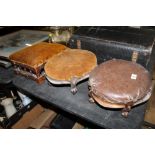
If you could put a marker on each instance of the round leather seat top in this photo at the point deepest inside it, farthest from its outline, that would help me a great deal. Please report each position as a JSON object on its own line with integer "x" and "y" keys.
{"x": 120, "y": 81}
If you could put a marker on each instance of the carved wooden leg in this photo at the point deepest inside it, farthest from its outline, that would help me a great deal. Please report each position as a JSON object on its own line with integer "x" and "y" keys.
{"x": 126, "y": 110}
{"x": 73, "y": 85}
{"x": 91, "y": 100}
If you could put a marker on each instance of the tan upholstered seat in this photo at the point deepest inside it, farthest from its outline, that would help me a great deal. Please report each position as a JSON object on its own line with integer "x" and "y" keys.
{"x": 72, "y": 65}
{"x": 30, "y": 61}
{"x": 38, "y": 54}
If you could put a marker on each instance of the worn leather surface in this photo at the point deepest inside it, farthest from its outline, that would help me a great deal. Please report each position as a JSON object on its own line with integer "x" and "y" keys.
{"x": 124, "y": 35}
{"x": 70, "y": 63}
{"x": 38, "y": 54}
{"x": 119, "y": 43}
{"x": 120, "y": 81}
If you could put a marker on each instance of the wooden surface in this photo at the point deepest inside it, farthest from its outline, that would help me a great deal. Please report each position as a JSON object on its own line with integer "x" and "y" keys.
{"x": 150, "y": 110}
{"x": 48, "y": 122}
{"x": 43, "y": 118}
{"x": 28, "y": 117}
{"x": 78, "y": 126}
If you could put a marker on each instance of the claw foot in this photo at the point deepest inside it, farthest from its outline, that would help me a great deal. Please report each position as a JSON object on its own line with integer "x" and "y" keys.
{"x": 91, "y": 100}
{"x": 126, "y": 110}
{"x": 73, "y": 85}
{"x": 74, "y": 90}
{"x": 125, "y": 114}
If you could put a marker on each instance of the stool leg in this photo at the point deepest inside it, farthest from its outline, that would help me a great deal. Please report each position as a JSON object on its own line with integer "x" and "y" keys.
{"x": 126, "y": 110}
{"x": 91, "y": 100}
{"x": 73, "y": 85}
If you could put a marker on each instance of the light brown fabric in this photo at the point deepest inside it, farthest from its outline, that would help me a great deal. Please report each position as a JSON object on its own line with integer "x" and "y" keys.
{"x": 70, "y": 63}
{"x": 113, "y": 81}
{"x": 37, "y": 54}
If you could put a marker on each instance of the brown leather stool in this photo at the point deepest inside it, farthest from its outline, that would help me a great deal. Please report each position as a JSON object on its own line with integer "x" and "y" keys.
{"x": 120, "y": 84}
